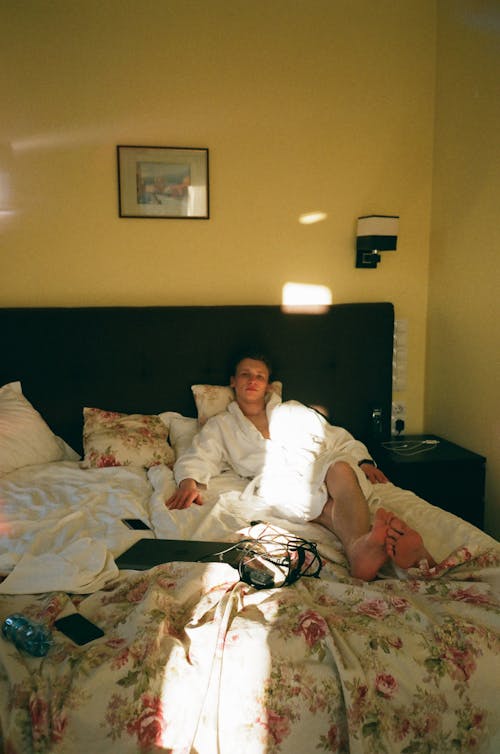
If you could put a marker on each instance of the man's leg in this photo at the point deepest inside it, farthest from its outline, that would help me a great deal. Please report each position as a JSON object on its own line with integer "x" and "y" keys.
{"x": 346, "y": 514}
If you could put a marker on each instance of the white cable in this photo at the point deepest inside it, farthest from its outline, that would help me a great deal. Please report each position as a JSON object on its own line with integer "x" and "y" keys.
{"x": 410, "y": 447}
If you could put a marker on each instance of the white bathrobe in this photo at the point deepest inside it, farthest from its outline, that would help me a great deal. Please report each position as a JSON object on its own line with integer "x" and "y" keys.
{"x": 289, "y": 469}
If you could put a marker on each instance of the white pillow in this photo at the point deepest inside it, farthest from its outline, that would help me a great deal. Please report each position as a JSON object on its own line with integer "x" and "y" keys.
{"x": 25, "y": 438}
{"x": 213, "y": 399}
{"x": 181, "y": 430}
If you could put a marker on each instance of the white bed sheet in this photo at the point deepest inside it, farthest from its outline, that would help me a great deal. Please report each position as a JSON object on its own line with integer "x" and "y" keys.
{"x": 60, "y": 525}
{"x": 61, "y": 528}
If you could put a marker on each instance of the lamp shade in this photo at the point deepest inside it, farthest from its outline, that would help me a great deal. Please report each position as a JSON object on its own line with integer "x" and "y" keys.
{"x": 377, "y": 233}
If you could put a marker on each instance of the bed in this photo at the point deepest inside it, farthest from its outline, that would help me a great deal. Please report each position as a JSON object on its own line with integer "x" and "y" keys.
{"x": 193, "y": 659}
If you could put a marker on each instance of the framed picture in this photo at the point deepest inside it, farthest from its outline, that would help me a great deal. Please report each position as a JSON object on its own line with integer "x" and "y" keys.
{"x": 166, "y": 182}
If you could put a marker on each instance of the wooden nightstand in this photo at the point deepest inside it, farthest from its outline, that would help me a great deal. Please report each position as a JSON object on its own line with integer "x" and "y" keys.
{"x": 444, "y": 474}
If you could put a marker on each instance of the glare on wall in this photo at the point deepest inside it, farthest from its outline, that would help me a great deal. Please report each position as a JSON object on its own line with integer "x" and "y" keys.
{"x": 305, "y": 298}
{"x": 6, "y": 210}
{"x": 310, "y": 218}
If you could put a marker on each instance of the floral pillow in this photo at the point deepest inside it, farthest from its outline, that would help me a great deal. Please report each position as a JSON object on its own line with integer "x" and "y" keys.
{"x": 213, "y": 399}
{"x": 25, "y": 438}
{"x": 113, "y": 439}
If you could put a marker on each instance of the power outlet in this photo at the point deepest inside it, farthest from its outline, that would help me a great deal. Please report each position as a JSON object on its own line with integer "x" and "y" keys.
{"x": 398, "y": 413}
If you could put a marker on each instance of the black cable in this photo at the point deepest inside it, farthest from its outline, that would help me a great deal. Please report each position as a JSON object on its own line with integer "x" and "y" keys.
{"x": 291, "y": 557}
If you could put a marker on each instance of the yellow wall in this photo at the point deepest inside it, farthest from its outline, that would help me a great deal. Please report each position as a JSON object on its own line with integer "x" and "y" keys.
{"x": 463, "y": 366}
{"x": 304, "y": 105}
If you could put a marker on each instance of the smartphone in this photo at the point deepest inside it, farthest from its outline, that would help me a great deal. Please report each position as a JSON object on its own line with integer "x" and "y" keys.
{"x": 135, "y": 523}
{"x": 78, "y": 629}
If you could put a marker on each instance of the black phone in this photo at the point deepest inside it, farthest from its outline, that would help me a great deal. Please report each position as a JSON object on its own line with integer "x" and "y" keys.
{"x": 78, "y": 629}
{"x": 135, "y": 523}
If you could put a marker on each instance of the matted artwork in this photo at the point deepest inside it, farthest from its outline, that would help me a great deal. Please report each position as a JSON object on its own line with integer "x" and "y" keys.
{"x": 164, "y": 182}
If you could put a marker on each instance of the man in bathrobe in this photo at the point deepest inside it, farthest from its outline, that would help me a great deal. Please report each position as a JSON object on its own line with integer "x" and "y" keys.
{"x": 305, "y": 468}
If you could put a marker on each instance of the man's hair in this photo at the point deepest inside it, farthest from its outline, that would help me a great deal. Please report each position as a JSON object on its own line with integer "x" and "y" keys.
{"x": 250, "y": 353}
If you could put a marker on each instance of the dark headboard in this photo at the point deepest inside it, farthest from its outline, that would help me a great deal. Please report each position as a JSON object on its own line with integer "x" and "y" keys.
{"x": 144, "y": 359}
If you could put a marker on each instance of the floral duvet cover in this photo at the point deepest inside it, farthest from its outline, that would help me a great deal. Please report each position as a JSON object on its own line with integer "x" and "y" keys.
{"x": 194, "y": 660}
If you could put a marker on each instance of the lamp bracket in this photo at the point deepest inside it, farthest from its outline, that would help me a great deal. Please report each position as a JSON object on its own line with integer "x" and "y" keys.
{"x": 367, "y": 259}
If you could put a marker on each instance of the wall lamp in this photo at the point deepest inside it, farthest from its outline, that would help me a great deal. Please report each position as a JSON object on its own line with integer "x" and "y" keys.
{"x": 375, "y": 233}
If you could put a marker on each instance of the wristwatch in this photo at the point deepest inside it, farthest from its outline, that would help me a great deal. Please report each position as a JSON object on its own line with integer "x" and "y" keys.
{"x": 367, "y": 460}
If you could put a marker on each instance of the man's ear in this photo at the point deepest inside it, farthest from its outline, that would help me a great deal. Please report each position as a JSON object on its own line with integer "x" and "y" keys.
{"x": 231, "y": 382}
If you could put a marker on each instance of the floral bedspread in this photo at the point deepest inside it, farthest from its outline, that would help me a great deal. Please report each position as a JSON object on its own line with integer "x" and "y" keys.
{"x": 194, "y": 661}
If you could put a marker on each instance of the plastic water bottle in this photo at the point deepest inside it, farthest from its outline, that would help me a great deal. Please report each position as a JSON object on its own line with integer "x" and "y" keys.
{"x": 25, "y": 634}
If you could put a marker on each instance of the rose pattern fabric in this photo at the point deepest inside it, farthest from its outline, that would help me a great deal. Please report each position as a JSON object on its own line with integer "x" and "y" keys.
{"x": 115, "y": 439}
{"x": 326, "y": 665}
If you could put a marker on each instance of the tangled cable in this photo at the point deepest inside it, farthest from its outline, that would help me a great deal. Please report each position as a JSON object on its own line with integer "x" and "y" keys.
{"x": 274, "y": 560}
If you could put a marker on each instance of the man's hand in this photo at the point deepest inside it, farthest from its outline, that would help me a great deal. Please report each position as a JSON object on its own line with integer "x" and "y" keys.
{"x": 374, "y": 475}
{"x": 185, "y": 495}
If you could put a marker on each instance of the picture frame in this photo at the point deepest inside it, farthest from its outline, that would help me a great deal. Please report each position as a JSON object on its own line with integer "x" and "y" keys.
{"x": 163, "y": 182}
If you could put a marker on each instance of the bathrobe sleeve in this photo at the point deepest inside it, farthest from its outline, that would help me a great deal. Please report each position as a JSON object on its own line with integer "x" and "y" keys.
{"x": 205, "y": 458}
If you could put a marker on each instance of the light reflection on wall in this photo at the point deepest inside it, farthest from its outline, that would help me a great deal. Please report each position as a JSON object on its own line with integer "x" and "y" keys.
{"x": 309, "y": 218}
{"x": 305, "y": 298}
{"x": 6, "y": 206}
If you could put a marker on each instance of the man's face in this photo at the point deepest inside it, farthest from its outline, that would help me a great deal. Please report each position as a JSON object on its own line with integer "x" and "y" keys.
{"x": 251, "y": 381}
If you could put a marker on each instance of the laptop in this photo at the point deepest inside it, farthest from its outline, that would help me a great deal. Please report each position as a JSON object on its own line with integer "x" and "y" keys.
{"x": 147, "y": 553}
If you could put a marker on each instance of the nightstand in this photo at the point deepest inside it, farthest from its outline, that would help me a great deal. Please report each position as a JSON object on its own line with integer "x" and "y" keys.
{"x": 444, "y": 474}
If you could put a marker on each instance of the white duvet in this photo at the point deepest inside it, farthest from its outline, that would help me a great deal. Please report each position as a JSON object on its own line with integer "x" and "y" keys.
{"x": 61, "y": 528}
{"x": 60, "y": 525}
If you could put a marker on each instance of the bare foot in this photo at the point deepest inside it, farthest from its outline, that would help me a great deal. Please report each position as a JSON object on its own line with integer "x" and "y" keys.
{"x": 368, "y": 553}
{"x": 405, "y": 545}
